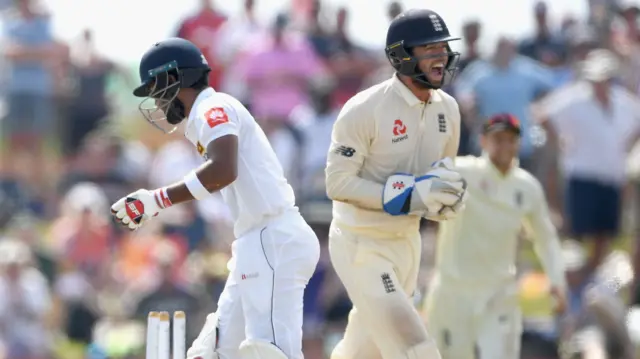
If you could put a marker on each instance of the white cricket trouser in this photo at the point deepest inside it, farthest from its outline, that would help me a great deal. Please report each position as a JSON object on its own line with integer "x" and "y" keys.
{"x": 380, "y": 275}
{"x": 474, "y": 323}
{"x": 262, "y": 299}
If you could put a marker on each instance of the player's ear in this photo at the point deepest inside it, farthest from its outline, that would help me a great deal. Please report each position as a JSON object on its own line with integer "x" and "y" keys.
{"x": 483, "y": 140}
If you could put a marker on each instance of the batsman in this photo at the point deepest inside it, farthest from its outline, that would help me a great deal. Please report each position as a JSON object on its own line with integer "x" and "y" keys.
{"x": 387, "y": 168}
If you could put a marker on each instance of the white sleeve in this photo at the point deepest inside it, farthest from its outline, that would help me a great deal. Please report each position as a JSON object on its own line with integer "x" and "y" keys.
{"x": 350, "y": 141}
{"x": 557, "y": 105}
{"x": 545, "y": 238}
{"x": 217, "y": 121}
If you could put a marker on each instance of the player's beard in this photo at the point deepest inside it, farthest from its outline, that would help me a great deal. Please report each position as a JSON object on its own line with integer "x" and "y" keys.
{"x": 421, "y": 82}
{"x": 175, "y": 112}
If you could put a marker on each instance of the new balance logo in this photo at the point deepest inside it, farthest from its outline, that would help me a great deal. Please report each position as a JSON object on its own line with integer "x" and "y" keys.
{"x": 387, "y": 283}
{"x": 345, "y": 151}
{"x": 442, "y": 123}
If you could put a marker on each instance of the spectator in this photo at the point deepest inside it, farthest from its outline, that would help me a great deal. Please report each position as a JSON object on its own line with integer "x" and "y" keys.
{"x": 383, "y": 71}
{"x": 202, "y": 29}
{"x": 626, "y": 42}
{"x": 349, "y": 63}
{"x": 545, "y": 45}
{"x": 393, "y": 10}
{"x": 24, "y": 302}
{"x": 25, "y": 229}
{"x": 508, "y": 84}
{"x": 318, "y": 35}
{"x": 233, "y": 37}
{"x": 77, "y": 308}
{"x": 89, "y": 106}
{"x": 471, "y": 32}
{"x": 597, "y": 122}
{"x": 601, "y": 16}
{"x": 315, "y": 123}
{"x": 170, "y": 294}
{"x": 31, "y": 53}
{"x": 278, "y": 71}
{"x": 171, "y": 163}
{"x": 208, "y": 267}
{"x": 98, "y": 163}
{"x": 82, "y": 234}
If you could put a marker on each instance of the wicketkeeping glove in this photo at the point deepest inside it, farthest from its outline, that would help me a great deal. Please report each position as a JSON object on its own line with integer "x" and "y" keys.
{"x": 137, "y": 207}
{"x": 444, "y": 169}
{"x": 427, "y": 196}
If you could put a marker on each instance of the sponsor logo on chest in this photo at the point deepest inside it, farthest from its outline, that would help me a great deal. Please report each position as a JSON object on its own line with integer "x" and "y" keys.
{"x": 399, "y": 131}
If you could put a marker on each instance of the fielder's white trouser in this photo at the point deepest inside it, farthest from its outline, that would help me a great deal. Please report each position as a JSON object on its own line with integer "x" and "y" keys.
{"x": 471, "y": 322}
{"x": 380, "y": 274}
{"x": 262, "y": 299}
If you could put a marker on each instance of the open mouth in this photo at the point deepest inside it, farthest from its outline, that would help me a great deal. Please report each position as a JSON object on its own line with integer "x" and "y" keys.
{"x": 437, "y": 71}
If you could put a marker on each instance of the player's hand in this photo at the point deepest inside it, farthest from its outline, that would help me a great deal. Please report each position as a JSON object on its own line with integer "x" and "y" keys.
{"x": 137, "y": 207}
{"x": 560, "y": 300}
{"x": 447, "y": 189}
{"x": 441, "y": 193}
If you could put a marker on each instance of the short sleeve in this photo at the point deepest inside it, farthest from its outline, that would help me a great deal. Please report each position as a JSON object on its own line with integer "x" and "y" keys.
{"x": 216, "y": 121}
{"x": 557, "y": 106}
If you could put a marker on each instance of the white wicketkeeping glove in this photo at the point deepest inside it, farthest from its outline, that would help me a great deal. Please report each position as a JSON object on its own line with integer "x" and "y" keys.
{"x": 137, "y": 207}
{"x": 451, "y": 183}
{"x": 426, "y": 195}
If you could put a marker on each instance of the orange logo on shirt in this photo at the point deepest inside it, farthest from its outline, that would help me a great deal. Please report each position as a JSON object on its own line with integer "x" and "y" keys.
{"x": 399, "y": 128}
{"x": 216, "y": 116}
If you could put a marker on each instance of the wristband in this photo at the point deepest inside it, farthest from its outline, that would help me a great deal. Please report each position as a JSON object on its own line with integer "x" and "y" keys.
{"x": 162, "y": 198}
{"x": 197, "y": 189}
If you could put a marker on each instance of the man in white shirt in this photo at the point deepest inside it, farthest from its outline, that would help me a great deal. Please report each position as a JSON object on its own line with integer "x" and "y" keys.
{"x": 275, "y": 252}
{"x": 472, "y": 307}
{"x": 381, "y": 179}
{"x": 596, "y": 123}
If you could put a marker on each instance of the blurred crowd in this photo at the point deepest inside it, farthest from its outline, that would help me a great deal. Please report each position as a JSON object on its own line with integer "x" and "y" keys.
{"x": 70, "y": 280}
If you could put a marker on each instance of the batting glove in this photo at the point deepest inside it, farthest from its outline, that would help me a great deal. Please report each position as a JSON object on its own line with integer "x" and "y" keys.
{"x": 204, "y": 347}
{"x": 137, "y": 207}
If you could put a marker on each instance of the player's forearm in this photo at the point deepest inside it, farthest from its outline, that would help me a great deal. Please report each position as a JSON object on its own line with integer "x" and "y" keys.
{"x": 548, "y": 249}
{"x": 213, "y": 176}
{"x": 355, "y": 190}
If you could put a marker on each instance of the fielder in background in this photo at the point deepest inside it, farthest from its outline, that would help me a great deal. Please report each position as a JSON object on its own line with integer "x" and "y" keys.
{"x": 472, "y": 307}
{"x": 380, "y": 177}
{"x": 260, "y": 310}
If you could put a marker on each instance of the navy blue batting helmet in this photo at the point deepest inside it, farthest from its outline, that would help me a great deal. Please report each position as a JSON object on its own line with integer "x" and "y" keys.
{"x": 419, "y": 27}
{"x": 167, "y": 67}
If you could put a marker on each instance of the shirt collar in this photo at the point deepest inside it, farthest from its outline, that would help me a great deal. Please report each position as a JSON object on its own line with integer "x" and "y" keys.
{"x": 201, "y": 97}
{"x": 411, "y": 99}
{"x": 492, "y": 168}
{"x": 204, "y": 94}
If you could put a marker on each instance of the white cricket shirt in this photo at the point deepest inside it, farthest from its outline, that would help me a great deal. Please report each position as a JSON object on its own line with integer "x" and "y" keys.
{"x": 381, "y": 131}
{"x": 595, "y": 141}
{"x": 260, "y": 190}
{"x": 478, "y": 248}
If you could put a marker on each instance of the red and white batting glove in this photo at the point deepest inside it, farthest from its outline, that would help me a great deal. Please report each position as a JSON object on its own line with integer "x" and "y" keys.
{"x": 139, "y": 206}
